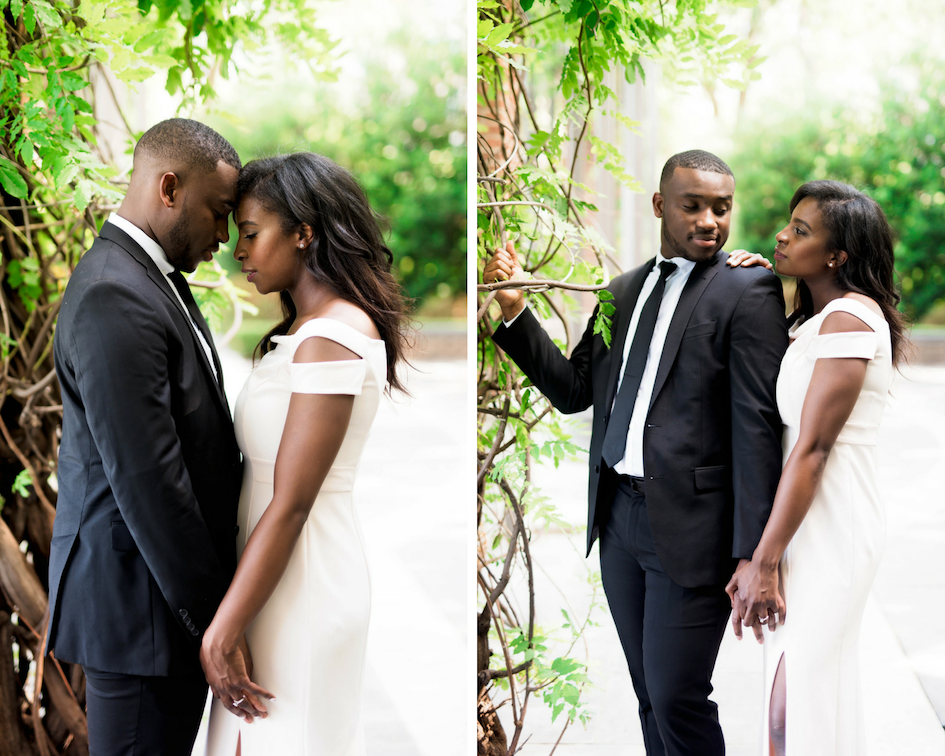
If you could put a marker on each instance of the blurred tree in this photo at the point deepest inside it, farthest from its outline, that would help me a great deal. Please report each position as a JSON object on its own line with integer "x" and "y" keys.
{"x": 403, "y": 136}
{"x": 896, "y": 154}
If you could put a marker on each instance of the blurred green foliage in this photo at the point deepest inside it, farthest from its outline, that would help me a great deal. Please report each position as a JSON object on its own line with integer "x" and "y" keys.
{"x": 403, "y": 136}
{"x": 896, "y": 155}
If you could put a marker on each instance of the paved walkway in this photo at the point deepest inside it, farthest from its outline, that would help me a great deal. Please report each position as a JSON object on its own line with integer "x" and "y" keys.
{"x": 416, "y": 534}
{"x": 903, "y": 644}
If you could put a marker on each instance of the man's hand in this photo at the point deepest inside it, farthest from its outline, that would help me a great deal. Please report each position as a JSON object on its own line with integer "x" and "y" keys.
{"x": 504, "y": 266}
{"x": 227, "y": 672}
{"x": 756, "y": 598}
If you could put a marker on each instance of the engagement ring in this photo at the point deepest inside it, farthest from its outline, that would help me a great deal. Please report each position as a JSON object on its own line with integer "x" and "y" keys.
{"x": 237, "y": 703}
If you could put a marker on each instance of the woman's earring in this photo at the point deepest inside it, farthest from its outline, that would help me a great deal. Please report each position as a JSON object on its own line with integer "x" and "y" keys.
{"x": 830, "y": 264}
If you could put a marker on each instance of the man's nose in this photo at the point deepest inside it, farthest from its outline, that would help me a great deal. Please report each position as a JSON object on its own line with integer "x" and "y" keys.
{"x": 707, "y": 219}
{"x": 223, "y": 231}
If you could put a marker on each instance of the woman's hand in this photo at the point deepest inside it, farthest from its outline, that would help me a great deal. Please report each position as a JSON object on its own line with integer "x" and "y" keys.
{"x": 746, "y": 259}
{"x": 227, "y": 668}
{"x": 755, "y": 593}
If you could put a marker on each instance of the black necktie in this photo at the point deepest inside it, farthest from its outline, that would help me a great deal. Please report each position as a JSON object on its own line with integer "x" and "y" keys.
{"x": 183, "y": 288}
{"x": 615, "y": 439}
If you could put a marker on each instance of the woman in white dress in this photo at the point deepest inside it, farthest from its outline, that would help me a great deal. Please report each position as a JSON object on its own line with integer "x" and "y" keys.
{"x": 300, "y": 598}
{"x": 822, "y": 543}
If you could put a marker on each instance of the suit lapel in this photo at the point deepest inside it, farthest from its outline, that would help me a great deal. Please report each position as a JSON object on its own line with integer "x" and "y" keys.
{"x": 620, "y": 326}
{"x": 114, "y": 234}
{"x": 691, "y": 293}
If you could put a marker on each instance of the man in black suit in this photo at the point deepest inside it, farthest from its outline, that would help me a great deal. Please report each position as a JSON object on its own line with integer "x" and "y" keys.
{"x": 143, "y": 545}
{"x": 686, "y": 440}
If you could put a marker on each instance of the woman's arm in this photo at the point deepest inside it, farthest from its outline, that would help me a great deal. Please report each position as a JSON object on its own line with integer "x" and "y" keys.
{"x": 314, "y": 430}
{"x": 831, "y": 395}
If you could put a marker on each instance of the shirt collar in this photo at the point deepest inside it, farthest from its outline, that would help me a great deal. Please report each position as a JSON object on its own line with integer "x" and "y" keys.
{"x": 683, "y": 265}
{"x": 151, "y": 247}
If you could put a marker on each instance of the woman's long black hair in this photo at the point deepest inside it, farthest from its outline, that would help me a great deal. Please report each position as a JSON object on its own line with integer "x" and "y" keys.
{"x": 857, "y": 225}
{"x": 347, "y": 252}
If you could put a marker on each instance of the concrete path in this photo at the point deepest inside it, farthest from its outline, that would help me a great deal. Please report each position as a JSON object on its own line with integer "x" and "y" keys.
{"x": 903, "y": 642}
{"x": 416, "y": 527}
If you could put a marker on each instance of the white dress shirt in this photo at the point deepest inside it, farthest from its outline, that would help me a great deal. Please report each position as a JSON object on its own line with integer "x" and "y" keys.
{"x": 632, "y": 462}
{"x": 156, "y": 253}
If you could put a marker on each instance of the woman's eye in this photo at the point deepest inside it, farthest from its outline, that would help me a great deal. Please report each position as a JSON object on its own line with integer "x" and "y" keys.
{"x": 250, "y": 236}
{"x": 799, "y": 231}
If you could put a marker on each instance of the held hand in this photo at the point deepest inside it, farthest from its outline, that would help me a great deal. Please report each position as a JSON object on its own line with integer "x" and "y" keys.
{"x": 756, "y": 598}
{"x": 746, "y": 259}
{"x": 227, "y": 671}
{"x": 738, "y": 606}
{"x": 504, "y": 266}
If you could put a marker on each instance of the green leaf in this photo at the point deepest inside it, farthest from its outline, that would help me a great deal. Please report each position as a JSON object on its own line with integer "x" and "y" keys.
{"x": 498, "y": 34}
{"x": 29, "y": 18}
{"x": 11, "y": 180}
{"x": 13, "y": 273}
{"x": 72, "y": 82}
{"x": 82, "y": 195}
{"x": 46, "y": 14}
{"x": 21, "y": 482}
{"x": 563, "y": 665}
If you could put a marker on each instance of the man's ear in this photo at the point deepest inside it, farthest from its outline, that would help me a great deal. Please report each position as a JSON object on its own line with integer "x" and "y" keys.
{"x": 657, "y": 204}
{"x": 170, "y": 187}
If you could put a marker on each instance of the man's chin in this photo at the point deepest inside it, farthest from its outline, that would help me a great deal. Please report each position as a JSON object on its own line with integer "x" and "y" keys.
{"x": 700, "y": 254}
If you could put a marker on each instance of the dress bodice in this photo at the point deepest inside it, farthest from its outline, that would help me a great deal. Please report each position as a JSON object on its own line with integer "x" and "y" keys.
{"x": 808, "y": 345}
{"x": 263, "y": 404}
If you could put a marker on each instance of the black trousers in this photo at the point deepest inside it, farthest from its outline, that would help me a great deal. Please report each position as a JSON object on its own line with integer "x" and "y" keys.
{"x": 143, "y": 716}
{"x": 670, "y": 635}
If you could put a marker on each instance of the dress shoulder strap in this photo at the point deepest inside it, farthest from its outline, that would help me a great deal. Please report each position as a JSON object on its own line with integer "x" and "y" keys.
{"x": 335, "y": 330}
{"x": 856, "y": 308}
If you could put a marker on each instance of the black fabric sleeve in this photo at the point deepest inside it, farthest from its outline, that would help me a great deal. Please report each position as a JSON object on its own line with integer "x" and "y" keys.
{"x": 565, "y": 381}
{"x": 758, "y": 342}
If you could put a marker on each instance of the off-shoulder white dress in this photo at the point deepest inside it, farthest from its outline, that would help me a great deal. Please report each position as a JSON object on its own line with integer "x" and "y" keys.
{"x": 829, "y": 565}
{"x": 308, "y": 641}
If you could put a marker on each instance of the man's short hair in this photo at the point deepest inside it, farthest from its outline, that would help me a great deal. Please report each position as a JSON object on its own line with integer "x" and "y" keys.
{"x": 697, "y": 160}
{"x": 183, "y": 142}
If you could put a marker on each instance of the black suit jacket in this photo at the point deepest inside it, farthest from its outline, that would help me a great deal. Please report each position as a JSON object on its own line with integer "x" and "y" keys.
{"x": 712, "y": 441}
{"x": 143, "y": 544}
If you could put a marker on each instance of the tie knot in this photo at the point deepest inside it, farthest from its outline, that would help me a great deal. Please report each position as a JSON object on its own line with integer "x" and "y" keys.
{"x": 666, "y": 269}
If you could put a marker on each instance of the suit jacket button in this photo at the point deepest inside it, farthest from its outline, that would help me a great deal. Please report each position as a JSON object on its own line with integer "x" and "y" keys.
{"x": 194, "y": 631}
{"x": 597, "y": 468}
{"x": 183, "y": 612}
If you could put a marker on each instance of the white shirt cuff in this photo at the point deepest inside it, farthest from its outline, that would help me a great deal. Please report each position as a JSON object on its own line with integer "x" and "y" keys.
{"x": 508, "y": 323}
